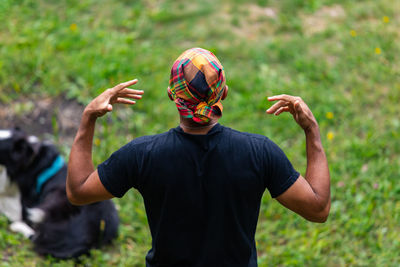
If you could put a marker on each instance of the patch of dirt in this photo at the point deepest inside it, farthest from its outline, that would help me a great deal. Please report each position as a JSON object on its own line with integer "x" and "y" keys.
{"x": 254, "y": 22}
{"x": 55, "y": 117}
{"x": 321, "y": 19}
{"x": 257, "y": 12}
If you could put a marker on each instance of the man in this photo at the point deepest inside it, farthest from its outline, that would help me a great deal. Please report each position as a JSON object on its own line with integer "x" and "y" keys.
{"x": 201, "y": 182}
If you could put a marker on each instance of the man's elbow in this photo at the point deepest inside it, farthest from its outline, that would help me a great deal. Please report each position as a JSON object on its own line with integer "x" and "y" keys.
{"x": 319, "y": 218}
{"x": 73, "y": 198}
{"x": 321, "y": 215}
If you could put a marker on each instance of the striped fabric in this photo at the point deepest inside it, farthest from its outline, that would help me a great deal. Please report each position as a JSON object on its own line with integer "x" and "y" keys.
{"x": 196, "y": 85}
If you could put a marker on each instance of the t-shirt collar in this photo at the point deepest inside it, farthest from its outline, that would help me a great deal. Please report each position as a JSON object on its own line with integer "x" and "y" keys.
{"x": 215, "y": 129}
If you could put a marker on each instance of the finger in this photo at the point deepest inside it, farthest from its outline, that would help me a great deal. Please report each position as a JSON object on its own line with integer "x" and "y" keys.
{"x": 131, "y": 91}
{"x": 134, "y": 96}
{"x": 284, "y": 97}
{"x": 121, "y": 86}
{"x": 121, "y": 100}
{"x": 282, "y": 109}
{"x": 297, "y": 106}
{"x": 276, "y": 106}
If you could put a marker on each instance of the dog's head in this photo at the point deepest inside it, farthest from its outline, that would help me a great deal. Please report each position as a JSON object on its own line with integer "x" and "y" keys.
{"x": 16, "y": 148}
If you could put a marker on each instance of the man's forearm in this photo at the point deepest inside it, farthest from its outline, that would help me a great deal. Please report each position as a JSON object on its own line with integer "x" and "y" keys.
{"x": 83, "y": 183}
{"x": 80, "y": 164}
{"x": 317, "y": 173}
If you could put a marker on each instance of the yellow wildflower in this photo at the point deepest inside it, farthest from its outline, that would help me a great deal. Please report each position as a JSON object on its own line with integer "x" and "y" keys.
{"x": 353, "y": 33}
{"x": 385, "y": 19}
{"x": 73, "y": 27}
{"x": 330, "y": 136}
{"x": 378, "y": 51}
{"x": 97, "y": 142}
{"x": 102, "y": 225}
{"x": 329, "y": 115}
{"x": 17, "y": 88}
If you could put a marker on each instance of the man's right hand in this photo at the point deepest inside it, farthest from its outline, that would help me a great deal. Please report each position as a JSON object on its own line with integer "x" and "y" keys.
{"x": 83, "y": 182}
{"x": 296, "y": 106}
{"x": 119, "y": 94}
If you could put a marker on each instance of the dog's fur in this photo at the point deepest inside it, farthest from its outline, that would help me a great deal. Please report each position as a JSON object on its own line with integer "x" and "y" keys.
{"x": 55, "y": 226}
{"x": 10, "y": 204}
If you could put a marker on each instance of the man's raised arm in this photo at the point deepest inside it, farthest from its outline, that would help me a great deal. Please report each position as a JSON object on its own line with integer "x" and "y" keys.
{"x": 83, "y": 182}
{"x": 309, "y": 196}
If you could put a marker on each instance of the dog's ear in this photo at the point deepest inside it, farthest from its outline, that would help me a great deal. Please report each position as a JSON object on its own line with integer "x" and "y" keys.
{"x": 17, "y": 131}
{"x": 21, "y": 150}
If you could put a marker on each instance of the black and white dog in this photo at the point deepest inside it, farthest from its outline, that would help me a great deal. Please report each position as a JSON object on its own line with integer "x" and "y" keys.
{"x": 35, "y": 201}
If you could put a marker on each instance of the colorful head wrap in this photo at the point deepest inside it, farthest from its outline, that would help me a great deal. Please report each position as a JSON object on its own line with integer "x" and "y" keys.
{"x": 197, "y": 84}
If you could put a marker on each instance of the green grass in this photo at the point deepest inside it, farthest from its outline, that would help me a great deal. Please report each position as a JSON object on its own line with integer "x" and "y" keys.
{"x": 323, "y": 50}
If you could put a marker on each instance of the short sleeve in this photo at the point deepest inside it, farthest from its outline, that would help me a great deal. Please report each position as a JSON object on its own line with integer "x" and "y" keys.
{"x": 120, "y": 172}
{"x": 279, "y": 172}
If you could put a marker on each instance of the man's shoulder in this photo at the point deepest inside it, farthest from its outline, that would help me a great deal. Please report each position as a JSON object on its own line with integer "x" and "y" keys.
{"x": 164, "y": 139}
{"x": 236, "y": 134}
{"x": 149, "y": 140}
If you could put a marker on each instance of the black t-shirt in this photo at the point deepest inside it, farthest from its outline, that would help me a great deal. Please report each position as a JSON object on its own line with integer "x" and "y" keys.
{"x": 202, "y": 193}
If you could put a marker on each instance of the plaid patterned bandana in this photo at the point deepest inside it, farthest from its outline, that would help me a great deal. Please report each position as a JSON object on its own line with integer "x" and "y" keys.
{"x": 196, "y": 85}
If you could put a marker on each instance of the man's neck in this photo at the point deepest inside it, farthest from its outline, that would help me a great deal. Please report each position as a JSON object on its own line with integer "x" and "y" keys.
{"x": 190, "y": 127}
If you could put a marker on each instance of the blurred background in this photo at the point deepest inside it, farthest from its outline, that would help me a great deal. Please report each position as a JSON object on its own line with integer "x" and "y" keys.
{"x": 341, "y": 57}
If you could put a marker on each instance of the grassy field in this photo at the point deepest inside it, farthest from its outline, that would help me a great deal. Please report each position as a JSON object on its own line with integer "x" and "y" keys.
{"x": 341, "y": 57}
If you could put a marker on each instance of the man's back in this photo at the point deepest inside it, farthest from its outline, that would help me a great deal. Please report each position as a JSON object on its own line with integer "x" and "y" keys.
{"x": 201, "y": 185}
{"x": 202, "y": 193}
